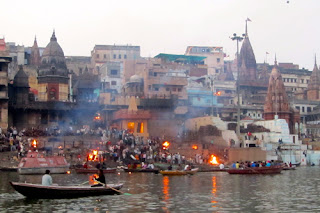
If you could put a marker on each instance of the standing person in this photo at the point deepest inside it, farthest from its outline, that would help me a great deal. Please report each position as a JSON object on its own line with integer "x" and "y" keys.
{"x": 47, "y": 179}
{"x": 101, "y": 179}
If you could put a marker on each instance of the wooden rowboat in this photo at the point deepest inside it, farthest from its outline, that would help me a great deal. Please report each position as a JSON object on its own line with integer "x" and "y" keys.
{"x": 94, "y": 170}
{"x": 256, "y": 170}
{"x": 179, "y": 172}
{"x": 142, "y": 170}
{"x": 57, "y": 192}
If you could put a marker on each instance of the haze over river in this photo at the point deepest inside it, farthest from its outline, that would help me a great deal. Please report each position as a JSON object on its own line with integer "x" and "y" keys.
{"x": 290, "y": 191}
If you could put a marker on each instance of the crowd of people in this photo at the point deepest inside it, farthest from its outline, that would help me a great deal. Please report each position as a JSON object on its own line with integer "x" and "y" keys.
{"x": 246, "y": 164}
{"x": 120, "y": 146}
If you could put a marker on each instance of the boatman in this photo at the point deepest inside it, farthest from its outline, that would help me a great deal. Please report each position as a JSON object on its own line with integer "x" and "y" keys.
{"x": 47, "y": 179}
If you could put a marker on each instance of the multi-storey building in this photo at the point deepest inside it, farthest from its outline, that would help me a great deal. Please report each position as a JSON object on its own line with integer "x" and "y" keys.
{"x": 5, "y": 59}
{"x": 114, "y": 53}
{"x": 214, "y": 57}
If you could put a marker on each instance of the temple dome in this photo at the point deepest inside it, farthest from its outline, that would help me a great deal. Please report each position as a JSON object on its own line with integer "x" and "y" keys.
{"x": 53, "y": 48}
{"x": 53, "y": 61}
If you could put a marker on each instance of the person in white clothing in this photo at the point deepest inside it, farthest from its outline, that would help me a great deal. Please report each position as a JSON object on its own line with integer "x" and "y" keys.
{"x": 221, "y": 166}
{"x": 47, "y": 179}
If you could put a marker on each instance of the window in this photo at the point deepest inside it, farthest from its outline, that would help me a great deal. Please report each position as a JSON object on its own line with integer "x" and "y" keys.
{"x": 308, "y": 109}
{"x": 97, "y": 55}
{"x": 104, "y": 56}
{"x": 114, "y": 56}
{"x": 307, "y": 81}
{"x": 150, "y": 73}
{"x": 156, "y": 89}
{"x": 149, "y": 87}
{"x": 125, "y": 56}
{"x": 80, "y": 71}
{"x": 114, "y": 72}
{"x": 217, "y": 71}
{"x": 119, "y": 56}
{"x": 302, "y": 81}
{"x": 167, "y": 89}
{"x": 302, "y": 109}
{"x": 114, "y": 83}
{"x": 218, "y": 60}
{"x": 298, "y": 108}
{"x": 155, "y": 74}
{"x": 179, "y": 89}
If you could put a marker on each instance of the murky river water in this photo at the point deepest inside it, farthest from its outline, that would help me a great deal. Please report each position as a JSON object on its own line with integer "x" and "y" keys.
{"x": 291, "y": 191}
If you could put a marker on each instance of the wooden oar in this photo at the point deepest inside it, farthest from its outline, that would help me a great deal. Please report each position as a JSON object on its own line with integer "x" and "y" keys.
{"x": 84, "y": 183}
{"x": 113, "y": 188}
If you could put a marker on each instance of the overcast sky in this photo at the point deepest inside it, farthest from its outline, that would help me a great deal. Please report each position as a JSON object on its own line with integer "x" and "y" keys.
{"x": 291, "y": 30}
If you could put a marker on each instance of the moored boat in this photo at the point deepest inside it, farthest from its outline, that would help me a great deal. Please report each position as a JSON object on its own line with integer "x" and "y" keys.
{"x": 179, "y": 172}
{"x": 57, "y": 192}
{"x": 36, "y": 163}
{"x": 142, "y": 170}
{"x": 256, "y": 170}
{"x": 94, "y": 170}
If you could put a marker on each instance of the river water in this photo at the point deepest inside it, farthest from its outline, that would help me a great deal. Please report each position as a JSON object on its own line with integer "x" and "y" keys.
{"x": 290, "y": 191}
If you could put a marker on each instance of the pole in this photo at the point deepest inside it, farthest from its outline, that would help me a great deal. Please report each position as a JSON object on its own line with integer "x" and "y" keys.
{"x": 212, "y": 96}
{"x": 238, "y": 94}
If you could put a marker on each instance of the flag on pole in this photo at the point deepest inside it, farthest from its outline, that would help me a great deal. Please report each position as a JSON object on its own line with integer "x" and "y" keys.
{"x": 248, "y": 19}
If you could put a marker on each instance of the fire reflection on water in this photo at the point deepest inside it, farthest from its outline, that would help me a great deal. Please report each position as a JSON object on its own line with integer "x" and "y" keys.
{"x": 165, "y": 192}
{"x": 214, "y": 190}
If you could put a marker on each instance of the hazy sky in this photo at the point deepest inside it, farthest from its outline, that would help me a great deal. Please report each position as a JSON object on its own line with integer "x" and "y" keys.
{"x": 291, "y": 30}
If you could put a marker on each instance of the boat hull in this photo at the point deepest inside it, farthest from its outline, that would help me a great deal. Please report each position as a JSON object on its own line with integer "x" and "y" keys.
{"x": 58, "y": 192}
{"x": 94, "y": 170}
{"x": 179, "y": 172}
{"x": 42, "y": 170}
{"x": 37, "y": 163}
{"x": 256, "y": 170}
{"x": 142, "y": 170}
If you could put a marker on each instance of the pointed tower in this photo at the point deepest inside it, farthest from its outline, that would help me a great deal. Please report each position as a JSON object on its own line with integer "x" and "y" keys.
{"x": 277, "y": 98}
{"x": 314, "y": 84}
{"x": 247, "y": 61}
{"x": 35, "y": 54}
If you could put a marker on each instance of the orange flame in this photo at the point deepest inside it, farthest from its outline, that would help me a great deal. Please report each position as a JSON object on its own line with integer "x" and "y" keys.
{"x": 165, "y": 145}
{"x": 213, "y": 160}
{"x": 34, "y": 143}
{"x": 195, "y": 147}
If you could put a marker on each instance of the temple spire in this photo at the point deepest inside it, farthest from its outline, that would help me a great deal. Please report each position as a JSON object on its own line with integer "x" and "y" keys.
{"x": 35, "y": 57}
{"x": 53, "y": 37}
